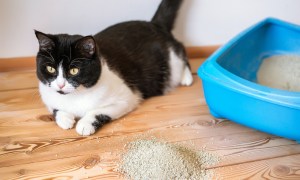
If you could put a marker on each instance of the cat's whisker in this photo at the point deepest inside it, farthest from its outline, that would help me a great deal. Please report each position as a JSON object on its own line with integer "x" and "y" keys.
{"x": 80, "y": 59}
{"x": 46, "y": 63}
{"x": 74, "y": 62}
{"x": 51, "y": 56}
{"x": 47, "y": 58}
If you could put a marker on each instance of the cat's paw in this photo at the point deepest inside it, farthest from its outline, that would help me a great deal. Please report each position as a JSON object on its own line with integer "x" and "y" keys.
{"x": 64, "y": 120}
{"x": 85, "y": 127}
{"x": 187, "y": 78}
{"x": 88, "y": 125}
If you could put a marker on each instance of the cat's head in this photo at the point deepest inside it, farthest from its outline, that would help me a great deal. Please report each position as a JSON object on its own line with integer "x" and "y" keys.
{"x": 66, "y": 62}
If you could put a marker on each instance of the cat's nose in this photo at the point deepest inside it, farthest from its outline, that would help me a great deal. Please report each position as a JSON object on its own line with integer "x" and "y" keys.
{"x": 62, "y": 85}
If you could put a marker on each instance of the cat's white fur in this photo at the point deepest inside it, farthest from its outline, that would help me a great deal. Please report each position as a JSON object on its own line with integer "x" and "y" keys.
{"x": 180, "y": 73}
{"x": 187, "y": 78}
{"x": 110, "y": 96}
{"x": 60, "y": 81}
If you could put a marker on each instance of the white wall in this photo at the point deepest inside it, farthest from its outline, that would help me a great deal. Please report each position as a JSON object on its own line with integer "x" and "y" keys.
{"x": 200, "y": 22}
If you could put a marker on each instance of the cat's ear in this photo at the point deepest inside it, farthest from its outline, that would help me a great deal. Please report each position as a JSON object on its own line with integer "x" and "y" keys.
{"x": 86, "y": 46}
{"x": 46, "y": 43}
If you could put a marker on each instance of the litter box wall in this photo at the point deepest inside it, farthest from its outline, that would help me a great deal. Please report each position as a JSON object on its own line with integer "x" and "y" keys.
{"x": 229, "y": 80}
{"x": 264, "y": 42}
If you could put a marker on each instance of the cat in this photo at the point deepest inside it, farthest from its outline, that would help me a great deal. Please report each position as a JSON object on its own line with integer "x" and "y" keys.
{"x": 101, "y": 78}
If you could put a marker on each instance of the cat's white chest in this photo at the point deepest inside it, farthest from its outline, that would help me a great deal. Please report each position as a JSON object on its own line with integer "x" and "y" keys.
{"x": 75, "y": 103}
{"x": 110, "y": 90}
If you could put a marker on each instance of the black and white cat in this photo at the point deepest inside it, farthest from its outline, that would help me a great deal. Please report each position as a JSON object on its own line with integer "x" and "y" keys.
{"x": 103, "y": 77}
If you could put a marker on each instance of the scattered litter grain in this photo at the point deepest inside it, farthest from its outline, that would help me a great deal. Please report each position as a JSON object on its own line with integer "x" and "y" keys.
{"x": 153, "y": 159}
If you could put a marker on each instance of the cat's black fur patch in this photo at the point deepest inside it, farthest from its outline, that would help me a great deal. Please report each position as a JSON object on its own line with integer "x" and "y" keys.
{"x": 101, "y": 120}
{"x": 61, "y": 92}
{"x": 166, "y": 13}
{"x": 54, "y": 113}
{"x": 139, "y": 51}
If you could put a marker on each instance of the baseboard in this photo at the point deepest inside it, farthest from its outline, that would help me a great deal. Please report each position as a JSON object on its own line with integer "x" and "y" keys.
{"x": 15, "y": 64}
{"x": 200, "y": 51}
{"x": 26, "y": 63}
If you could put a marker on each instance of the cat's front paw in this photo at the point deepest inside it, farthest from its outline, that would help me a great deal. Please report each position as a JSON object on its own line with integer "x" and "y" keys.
{"x": 89, "y": 124}
{"x": 85, "y": 128}
{"x": 64, "y": 120}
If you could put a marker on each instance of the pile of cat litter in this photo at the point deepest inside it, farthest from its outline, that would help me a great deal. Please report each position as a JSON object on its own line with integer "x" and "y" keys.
{"x": 153, "y": 159}
{"x": 280, "y": 71}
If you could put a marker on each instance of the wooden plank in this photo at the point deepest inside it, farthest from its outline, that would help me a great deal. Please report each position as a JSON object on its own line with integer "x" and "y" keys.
{"x": 15, "y": 80}
{"x": 20, "y": 99}
{"x": 94, "y": 167}
{"x": 91, "y": 166}
{"x": 229, "y": 140}
{"x": 17, "y": 64}
{"x": 287, "y": 167}
{"x": 103, "y": 159}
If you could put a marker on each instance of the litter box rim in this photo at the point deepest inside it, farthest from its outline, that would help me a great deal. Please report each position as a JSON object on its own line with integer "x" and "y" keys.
{"x": 211, "y": 70}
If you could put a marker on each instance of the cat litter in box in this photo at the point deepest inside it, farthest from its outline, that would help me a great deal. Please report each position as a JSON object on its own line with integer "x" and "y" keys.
{"x": 281, "y": 71}
{"x": 254, "y": 79}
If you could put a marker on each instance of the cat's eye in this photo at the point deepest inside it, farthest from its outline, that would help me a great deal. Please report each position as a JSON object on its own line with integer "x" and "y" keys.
{"x": 74, "y": 71}
{"x": 51, "y": 69}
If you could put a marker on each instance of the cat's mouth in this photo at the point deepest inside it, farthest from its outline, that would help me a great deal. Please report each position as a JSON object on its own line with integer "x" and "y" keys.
{"x": 64, "y": 91}
{"x": 61, "y": 92}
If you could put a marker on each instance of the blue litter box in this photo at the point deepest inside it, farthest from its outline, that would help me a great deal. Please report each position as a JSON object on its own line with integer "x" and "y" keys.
{"x": 230, "y": 83}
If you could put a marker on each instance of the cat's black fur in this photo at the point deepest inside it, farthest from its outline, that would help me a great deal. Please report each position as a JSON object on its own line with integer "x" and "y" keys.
{"x": 137, "y": 50}
{"x": 67, "y": 49}
{"x": 101, "y": 120}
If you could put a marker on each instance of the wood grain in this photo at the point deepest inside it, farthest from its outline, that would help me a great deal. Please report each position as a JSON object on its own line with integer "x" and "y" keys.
{"x": 32, "y": 146}
{"x": 287, "y": 167}
{"x": 14, "y": 80}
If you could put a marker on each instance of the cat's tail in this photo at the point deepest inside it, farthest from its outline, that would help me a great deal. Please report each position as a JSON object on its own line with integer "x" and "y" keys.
{"x": 166, "y": 13}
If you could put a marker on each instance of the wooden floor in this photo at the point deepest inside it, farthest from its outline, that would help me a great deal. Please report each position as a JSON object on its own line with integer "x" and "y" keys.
{"x": 34, "y": 147}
